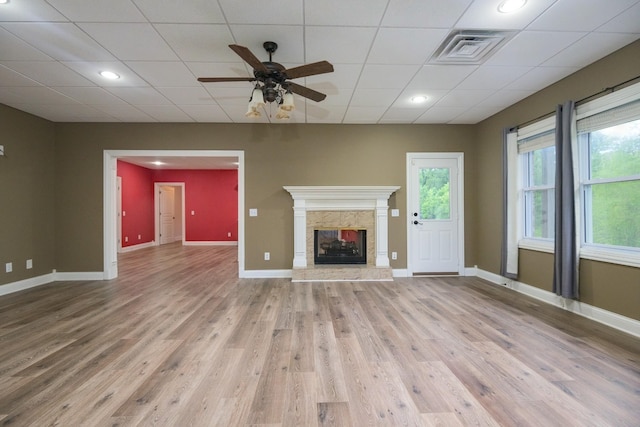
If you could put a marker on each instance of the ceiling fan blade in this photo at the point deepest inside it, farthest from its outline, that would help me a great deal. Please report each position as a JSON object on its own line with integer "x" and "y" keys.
{"x": 225, "y": 79}
{"x": 306, "y": 92}
{"x": 249, "y": 57}
{"x": 309, "y": 70}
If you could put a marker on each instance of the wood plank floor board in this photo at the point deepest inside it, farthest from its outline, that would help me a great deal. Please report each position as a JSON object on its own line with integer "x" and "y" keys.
{"x": 179, "y": 340}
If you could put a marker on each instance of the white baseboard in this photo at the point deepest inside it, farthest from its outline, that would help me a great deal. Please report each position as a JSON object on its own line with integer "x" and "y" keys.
{"x": 265, "y": 274}
{"x": 21, "y": 285}
{"x": 617, "y": 321}
{"x": 210, "y": 243}
{"x": 78, "y": 275}
{"x": 136, "y": 247}
{"x": 400, "y": 272}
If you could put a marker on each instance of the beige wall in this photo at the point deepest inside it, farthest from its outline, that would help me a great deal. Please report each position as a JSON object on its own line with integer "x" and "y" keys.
{"x": 611, "y": 287}
{"x": 68, "y": 197}
{"x": 275, "y": 156}
{"x": 27, "y": 194}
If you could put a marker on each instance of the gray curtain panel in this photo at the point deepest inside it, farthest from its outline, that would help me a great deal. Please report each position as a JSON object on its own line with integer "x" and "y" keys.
{"x": 565, "y": 274}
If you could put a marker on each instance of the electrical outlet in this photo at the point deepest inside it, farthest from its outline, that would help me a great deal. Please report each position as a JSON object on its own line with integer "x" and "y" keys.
{"x": 253, "y": 212}
{"x": 139, "y": 237}
{"x": 394, "y": 255}
{"x": 267, "y": 256}
{"x": 229, "y": 234}
{"x": 8, "y": 267}
{"x": 29, "y": 264}
{"x": 126, "y": 238}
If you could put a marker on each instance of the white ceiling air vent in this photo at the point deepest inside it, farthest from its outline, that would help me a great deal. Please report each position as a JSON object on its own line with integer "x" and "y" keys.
{"x": 469, "y": 46}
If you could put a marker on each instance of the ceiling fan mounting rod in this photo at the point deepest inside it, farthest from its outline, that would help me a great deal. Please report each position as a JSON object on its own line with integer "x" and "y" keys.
{"x": 270, "y": 47}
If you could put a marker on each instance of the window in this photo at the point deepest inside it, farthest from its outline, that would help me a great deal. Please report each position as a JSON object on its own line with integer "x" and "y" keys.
{"x": 610, "y": 165}
{"x": 537, "y": 162}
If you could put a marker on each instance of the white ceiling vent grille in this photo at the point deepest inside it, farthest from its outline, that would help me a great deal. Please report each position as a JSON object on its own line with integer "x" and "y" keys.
{"x": 469, "y": 46}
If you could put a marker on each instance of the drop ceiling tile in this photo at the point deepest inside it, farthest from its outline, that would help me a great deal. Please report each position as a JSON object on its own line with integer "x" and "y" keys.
{"x": 205, "y": 113}
{"x": 125, "y": 113}
{"x": 440, "y": 114}
{"x": 464, "y": 98}
{"x": 91, "y": 70}
{"x": 440, "y": 76}
{"x": 474, "y": 115}
{"x": 90, "y": 95}
{"x": 48, "y": 73}
{"x": 363, "y": 114}
{"x": 589, "y": 49}
{"x": 30, "y": 10}
{"x": 483, "y": 14}
{"x": 9, "y": 77}
{"x": 99, "y": 11}
{"x": 164, "y": 73}
{"x": 199, "y": 42}
{"x": 401, "y": 115}
{"x": 532, "y": 48}
{"x": 139, "y": 95}
{"x": 540, "y": 77}
{"x": 117, "y": 38}
{"x": 335, "y": 97}
{"x": 338, "y": 45}
{"x": 14, "y": 49}
{"x": 61, "y": 41}
{"x": 374, "y": 97}
{"x": 237, "y": 114}
{"x": 586, "y": 15}
{"x": 375, "y": 76}
{"x": 504, "y": 98}
{"x": 280, "y": 12}
{"x": 172, "y": 11}
{"x": 33, "y": 95}
{"x": 187, "y": 95}
{"x": 493, "y": 77}
{"x": 424, "y": 13}
{"x": 353, "y": 13}
{"x": 405, "y": 45}
{"x": 626, "y": 22}
{"x": 165, "y": 113}
{"x": 316, "y": 113}
{"x": 288, "y": 37}
{"x": 64, "y": 113}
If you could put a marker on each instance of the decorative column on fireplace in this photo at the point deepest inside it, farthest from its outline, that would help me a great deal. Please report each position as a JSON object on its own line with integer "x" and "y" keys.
{"x": 347, "y": 203}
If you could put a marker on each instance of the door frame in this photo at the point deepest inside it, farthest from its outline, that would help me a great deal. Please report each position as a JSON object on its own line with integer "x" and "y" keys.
{"x": 110, "y": 159}
{"x": 156, "y": 208}
{"x": 459, "y": 157}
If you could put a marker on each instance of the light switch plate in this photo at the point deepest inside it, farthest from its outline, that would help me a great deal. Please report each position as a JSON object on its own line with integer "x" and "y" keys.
{"x": 395, "y": 212}
{"x": 253, "y": 212}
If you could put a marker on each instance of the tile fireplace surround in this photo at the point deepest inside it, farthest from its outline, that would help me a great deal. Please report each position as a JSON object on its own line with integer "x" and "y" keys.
{"x": 363, "y": 207}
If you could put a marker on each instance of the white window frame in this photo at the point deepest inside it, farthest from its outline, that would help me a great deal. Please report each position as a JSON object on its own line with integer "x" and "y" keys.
{"x": 538, "y": 128}
{"x": 598, "y": 252}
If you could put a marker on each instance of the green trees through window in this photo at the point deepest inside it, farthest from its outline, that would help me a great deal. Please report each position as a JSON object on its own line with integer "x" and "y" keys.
{"x": 434, "y": 193}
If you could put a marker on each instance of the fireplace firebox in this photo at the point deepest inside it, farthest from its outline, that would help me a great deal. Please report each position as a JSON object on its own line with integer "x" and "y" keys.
{"x": 340, "y": 246}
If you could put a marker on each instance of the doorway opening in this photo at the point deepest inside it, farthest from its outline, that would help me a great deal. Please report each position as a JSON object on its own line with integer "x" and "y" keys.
{"x": 169, "y": 218}
{"x": 205, "y": 159}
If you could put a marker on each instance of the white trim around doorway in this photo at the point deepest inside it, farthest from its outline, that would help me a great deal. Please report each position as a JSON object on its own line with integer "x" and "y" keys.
{"x": 110, "y": 157}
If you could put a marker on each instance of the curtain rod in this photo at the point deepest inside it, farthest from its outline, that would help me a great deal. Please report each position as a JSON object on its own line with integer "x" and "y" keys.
{"x": 603, "y": 92}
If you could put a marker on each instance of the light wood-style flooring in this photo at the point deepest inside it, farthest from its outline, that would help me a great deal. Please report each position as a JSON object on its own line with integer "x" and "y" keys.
{"x": 179, "y": 340}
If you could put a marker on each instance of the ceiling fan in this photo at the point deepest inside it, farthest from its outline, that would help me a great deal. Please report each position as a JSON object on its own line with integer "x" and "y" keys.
{"x": 273, "y": 80}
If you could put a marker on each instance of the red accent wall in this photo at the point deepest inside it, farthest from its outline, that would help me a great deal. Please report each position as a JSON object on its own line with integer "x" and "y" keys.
{"x": 137, "y": 204}
{"x": 213, "y": 197}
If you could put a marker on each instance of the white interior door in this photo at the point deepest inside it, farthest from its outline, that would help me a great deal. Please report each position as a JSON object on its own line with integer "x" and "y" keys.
{"x": 435, "y": 233}
{"x": 167, "y": 215}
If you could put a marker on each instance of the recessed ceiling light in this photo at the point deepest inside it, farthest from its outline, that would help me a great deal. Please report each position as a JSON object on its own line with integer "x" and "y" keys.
{"x": 508, "y": 6}
{"x": 418, "y": 99}
{"x": 4, "y": 1}
{"x": 158, "y": 163}
{"x": 109, "y": 75}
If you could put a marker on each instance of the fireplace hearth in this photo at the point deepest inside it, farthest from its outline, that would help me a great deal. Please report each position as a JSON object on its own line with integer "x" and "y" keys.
{"x": 340, "y": 246}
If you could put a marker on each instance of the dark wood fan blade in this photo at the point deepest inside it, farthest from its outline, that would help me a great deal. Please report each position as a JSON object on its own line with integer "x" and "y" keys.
{"x": 306, "y": 92}
{"x": 225, "y": 79}
{"x": 249, "y": 57}
{"x": 309, "y": 70}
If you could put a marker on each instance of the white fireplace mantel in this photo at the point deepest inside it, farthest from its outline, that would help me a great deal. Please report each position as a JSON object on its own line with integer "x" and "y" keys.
{"x": 340, "y": 198}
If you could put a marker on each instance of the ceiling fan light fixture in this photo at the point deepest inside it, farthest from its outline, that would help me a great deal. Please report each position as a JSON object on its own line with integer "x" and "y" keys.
{"x": 287, "y": 102}
{"x": 509, "y": 6}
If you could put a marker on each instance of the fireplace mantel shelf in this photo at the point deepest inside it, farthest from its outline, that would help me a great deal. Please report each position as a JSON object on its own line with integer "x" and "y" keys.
{"x": 341, "y": 198}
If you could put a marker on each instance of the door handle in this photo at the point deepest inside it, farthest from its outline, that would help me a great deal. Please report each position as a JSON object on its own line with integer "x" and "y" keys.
{"x": 416, "y": 222}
